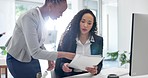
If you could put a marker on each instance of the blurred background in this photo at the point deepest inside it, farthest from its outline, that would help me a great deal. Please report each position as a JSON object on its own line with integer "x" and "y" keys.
{"x": 113, "y": 19}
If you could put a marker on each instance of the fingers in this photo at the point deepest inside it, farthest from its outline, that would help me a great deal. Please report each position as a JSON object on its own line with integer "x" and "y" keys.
{"x": 66, "y": 68}
{"x": 51, "y": 65}
{"x": 92, "y": 70}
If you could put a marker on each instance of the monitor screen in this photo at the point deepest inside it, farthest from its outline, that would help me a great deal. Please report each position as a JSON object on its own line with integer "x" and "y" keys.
{"x": 139, "y": 45}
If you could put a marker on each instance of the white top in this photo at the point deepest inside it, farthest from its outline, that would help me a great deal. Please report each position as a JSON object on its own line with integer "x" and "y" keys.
{"x": 83, "y": 49}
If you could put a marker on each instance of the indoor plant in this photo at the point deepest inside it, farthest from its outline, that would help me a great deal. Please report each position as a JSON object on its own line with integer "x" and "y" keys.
{"x": 122, "y": 56}
{"x": 4, "y": 51}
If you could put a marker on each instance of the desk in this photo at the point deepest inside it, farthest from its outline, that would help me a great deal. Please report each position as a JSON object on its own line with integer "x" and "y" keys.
{"x": 121, "y": 72}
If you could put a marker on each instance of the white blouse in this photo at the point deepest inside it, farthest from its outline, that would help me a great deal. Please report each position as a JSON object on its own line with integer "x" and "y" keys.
{"x": 83, "y": 49}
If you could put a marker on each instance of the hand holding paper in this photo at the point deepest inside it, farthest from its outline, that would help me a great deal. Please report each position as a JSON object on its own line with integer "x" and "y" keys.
{"x": 81, "y": 61}
{"x": 66, "y": 68}
{"x": 92, "y": 70}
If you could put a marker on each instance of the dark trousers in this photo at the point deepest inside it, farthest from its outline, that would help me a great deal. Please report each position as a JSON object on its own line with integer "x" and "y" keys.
{"x": 23, "y": 69}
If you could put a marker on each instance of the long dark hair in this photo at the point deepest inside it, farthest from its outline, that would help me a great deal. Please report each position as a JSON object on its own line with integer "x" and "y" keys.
{"x": 73, "y": 29}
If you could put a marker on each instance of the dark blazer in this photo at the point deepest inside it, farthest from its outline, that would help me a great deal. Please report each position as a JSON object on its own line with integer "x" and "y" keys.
{"x": 96, "y": 49}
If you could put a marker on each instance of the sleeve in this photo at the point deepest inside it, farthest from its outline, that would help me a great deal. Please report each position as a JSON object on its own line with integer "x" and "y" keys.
{"x": 101, "y": 50}
{"x": 59, "y": 63}
{"x": 99, "y": 67}
{"x": 43, "y": 47}
{"x": 29, "y": 28}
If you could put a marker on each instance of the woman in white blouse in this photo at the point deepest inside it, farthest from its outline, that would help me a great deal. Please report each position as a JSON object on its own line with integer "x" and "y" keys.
{"x": 80, "y": 37}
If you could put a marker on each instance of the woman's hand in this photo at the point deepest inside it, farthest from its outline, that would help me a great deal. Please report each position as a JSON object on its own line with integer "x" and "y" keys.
{"x": 51, "y": 65}
{"x": 67, "y": 55}
{"x": 92, "y": 70}
{"x": 66, "y": 68}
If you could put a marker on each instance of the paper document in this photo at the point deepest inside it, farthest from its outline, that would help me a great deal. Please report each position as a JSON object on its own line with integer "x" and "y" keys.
{"x": 81, "y": 61}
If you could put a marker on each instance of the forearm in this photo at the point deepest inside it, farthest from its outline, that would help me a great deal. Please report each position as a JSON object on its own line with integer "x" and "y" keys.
{"x": 46, "y": 55}
{"x": 67, "y": 55}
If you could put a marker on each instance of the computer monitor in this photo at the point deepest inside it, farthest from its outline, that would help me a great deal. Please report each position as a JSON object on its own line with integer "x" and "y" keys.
{"x": 139, "y": 45}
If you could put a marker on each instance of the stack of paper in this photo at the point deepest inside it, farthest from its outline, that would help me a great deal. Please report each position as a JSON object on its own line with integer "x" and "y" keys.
{"x": 82, "y": 61}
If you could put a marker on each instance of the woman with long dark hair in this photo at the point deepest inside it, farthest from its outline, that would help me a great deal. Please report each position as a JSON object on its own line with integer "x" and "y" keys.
{"x": 80, "y": 37}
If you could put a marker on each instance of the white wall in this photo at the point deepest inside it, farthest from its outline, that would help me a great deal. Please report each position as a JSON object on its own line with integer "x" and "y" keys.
{"x": 113, "y": 34}
{"x": 7, "y": 19}
{"x": 125, "y": 10}
{"x": 76, "y": 5}
{"x": 109, "y": 28}
{"x": 35, "y": 1}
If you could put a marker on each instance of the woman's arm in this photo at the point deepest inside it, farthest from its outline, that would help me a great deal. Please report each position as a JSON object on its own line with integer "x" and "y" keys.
{"x": 67, "y": 55}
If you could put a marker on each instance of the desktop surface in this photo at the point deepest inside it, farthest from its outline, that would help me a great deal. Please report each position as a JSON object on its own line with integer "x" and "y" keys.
{"x": 121, "y": 72}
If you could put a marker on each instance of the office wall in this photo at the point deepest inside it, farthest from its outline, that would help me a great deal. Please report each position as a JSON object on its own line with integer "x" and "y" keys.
{"x": 7, "y": 19}
{"x": 76, "y": 5}
{"x": 125, "y": 10}
{"x": 35, "y": 1}
{"x": 109, "y": 28}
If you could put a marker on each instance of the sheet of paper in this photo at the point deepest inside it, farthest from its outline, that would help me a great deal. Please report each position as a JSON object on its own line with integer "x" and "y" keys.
{"x": 81, "y": 61}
